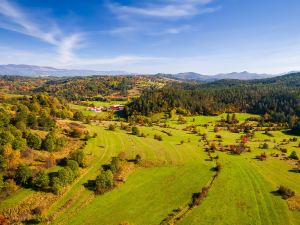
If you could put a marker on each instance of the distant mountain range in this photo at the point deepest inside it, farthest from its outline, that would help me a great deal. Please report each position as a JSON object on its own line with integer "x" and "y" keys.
{"x": 208, "y": 78}
{"x": 30, "y": 70}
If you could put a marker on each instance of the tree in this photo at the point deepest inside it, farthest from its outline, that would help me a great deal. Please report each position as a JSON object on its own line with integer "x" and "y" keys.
{"x": 19, "y": 144}
{"x": 265, "y": 146}
{"x": 34, "y": 141}
{"x": 78, "y": 116}
{"x": 73, "y": 165}
{"x": 104, "y": 181}
{"x": 138, "y": 158}
{"x": 228, "y": 118}
{"x": 4, "y": 118}
{"x": 79, "y": 157}
{"x": 294, "y": 156}
{"x": 65, "y": 175}
{"x": 296, "y": 129}
{"x": 2, "y": 184}
{"x": 111, "y": 127}
{"x": 46, "y": 122}
{"x": 49, "y": 142}
{"x": 32, "y": 121}
{"x": 115, "y": 164}
{"x": 41, "y": 180}
{"x": 23, "y": 174}
{"x": 56, "y": 185}
{"x": 6, "y": 137}
{"x": 135, "y": 131}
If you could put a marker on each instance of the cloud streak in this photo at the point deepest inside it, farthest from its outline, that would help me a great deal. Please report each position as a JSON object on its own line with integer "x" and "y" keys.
{"x": 14, "y": 18}
{"x": 172, "y": 9}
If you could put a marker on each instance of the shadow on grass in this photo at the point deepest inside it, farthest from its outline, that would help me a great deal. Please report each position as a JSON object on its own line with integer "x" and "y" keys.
{"x": 30, "y": 222}
{"x": 294, "y": 170}
{"x": 275, "y": 193}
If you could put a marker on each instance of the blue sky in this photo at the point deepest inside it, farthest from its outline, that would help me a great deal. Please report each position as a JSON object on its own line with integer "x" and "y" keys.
{"x": 152, "y": 36}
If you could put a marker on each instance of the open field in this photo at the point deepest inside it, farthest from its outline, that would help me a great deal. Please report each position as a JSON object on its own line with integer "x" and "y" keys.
{"x": 243, "y": 193}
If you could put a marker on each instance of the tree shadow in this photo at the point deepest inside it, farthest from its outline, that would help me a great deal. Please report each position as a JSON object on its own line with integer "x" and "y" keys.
{"x": 275, "y": 193}
{"x": 294, "y": 170}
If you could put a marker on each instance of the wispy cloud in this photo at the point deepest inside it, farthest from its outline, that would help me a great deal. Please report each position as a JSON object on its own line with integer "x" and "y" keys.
{"x": 14, "y": 18}
{"x": 166, "y": 9}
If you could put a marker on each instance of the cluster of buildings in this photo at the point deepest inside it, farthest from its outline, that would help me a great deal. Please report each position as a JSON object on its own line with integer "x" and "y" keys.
{"x": 103, "y": 108}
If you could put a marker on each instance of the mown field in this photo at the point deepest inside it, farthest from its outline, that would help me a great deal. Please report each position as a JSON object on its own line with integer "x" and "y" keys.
{"x": 243, "y": 193}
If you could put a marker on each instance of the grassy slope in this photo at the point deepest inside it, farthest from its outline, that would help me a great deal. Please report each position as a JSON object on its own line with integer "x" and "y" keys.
{"x": 240, "y": 195}
{"x": 159, "y": 190}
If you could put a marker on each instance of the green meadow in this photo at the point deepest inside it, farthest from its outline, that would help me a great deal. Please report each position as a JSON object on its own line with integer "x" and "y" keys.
{"x": 243, "y": 193}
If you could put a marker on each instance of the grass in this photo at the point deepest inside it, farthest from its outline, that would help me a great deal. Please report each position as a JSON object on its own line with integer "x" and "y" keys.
{"x": 241, "y": 194}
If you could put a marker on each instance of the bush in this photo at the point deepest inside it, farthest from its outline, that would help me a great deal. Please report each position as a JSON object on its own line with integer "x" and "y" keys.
{"x": 265, "y": 146}
{"x": 49, "y": 143}
{"x": 115, "y": 164}
{"x": 23, "y": 174}
{"x": 41, "y": 181}
{"x": 293, "y": 155}
{"x": 111, "y": 127}
{"x": 34, "y": 141}
{"x": 79, "y": 157}
{"x": 135, "y": 131}
{"x": 138, "y": 158}
{"x": 285, "y": 192}
{"x": 73, "y": 165}
{"x": 104, "y": 181}
{"x": 65, "y": 176}
{"x": 158, "y": 137}
{"x": 78, "y": 116}
{"x": 56, "y": 185}
{"x": 19, "y": 144}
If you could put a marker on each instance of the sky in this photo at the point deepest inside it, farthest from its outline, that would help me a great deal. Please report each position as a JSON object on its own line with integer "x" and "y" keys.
{"x": 153, "y": 36}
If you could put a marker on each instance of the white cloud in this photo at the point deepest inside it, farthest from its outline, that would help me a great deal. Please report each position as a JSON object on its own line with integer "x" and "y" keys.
{"x": 172, "y": 9}
{"x": 15, "y": 19}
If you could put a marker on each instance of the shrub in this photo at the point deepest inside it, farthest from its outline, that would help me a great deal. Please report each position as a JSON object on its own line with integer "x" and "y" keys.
{"x": 111, "y": 127}
{"x": 135, "y": 131}
{"x": 73, "y": 165}
{"x": 293, "y": 155}
{"x": 265, "y": 146}
{"x": 218, "y": 166}
{"x": 49, "y": 142}
{"x": 104, "y": 181}
{"x": 79, "y": 157}
{"x": 19, "y": 144}
{"x": 56, "y": 185}
{"x": 65, "y": 176}
{"x": 285, "y": 192}
{"x": 23, "y": 174}
{"x": 138, "y": 158}
{"x": 158, "y": 137}
{"x": 115, "y": 164}
{"x": 34, "y": 141}
{"x": 41, "y": 181}
{"x": 78, "y": 116}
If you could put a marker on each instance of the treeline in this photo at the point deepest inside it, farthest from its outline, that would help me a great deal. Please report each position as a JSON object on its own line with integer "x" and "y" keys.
{"x": 278, "y": 98}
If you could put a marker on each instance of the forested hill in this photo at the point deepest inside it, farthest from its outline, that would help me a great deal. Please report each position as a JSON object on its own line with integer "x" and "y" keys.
{"x": 278, "y": 97}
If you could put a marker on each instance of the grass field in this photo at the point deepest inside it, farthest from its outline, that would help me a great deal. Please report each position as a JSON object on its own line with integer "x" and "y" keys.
{"x": 243, "y": 193}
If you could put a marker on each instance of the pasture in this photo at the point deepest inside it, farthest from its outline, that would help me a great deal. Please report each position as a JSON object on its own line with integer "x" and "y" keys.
{"x": 243, "y": 193}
